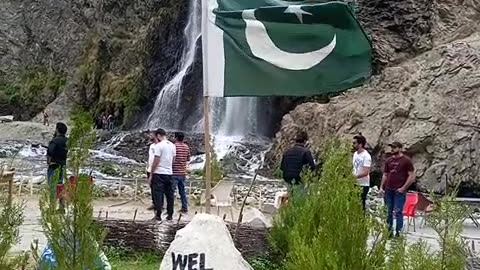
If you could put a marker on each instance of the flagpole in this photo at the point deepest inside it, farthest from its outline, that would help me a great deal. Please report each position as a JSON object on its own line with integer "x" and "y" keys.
{"x": 208, "y": 151}
{"x": 206, "y": 108}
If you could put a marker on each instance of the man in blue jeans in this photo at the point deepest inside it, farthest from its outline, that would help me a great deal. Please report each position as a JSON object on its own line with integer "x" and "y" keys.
{"x": 57, "y": 156}
{"x": 180, "y": 168}
{"x": 398, "y": 176}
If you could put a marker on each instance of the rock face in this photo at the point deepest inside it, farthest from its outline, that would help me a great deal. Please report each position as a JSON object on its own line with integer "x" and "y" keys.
{"x": 426, "y": 94}
{"x": 112, "y": 55}
{"x": 205, "y": 243}
{"x": 430, "y": 103}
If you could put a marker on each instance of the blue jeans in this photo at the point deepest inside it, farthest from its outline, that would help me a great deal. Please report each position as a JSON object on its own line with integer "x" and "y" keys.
{"x": 50, "y": 174}
{"x": 179, "y": 181}
{"x": 394, "y": 201}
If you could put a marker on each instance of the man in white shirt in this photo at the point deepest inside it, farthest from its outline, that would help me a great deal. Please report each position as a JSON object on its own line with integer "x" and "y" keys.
{"x": 151, "y": 154}
{"x": 362, "y": 161}
{"x": 161, "y": 175}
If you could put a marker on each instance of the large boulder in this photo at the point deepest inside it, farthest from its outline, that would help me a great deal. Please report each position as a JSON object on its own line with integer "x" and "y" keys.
{"x": 430, "y": 103}
{"x": 205, "y": 243}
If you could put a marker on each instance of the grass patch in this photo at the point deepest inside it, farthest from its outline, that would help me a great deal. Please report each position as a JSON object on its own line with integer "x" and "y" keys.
{"x": 123, "y": 259}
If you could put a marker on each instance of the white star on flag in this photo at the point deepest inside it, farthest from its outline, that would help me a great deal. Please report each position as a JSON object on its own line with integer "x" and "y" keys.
{"x": 297, "y": 10}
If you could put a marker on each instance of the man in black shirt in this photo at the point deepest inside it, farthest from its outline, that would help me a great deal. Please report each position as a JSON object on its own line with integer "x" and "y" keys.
{"x": 295, "y": 159}
{"x": 57, "y": 154}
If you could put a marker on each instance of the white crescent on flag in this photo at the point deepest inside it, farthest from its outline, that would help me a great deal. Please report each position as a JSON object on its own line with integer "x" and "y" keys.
{"x": 263, "y": 47}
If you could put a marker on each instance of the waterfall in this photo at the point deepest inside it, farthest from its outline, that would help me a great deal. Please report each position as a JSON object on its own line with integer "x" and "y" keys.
{"x": 235, "y": 116}
{"x": 169, "y": 98}
{"x": 239, "y": 118}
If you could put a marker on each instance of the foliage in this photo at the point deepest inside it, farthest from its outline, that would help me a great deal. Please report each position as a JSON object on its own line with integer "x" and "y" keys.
{"x": 108, "y": 168}
{"x": 264, "y": 263}
{"x": 329, "y": 199}
{"x": 277, "y": 173}
{"x": 323, "y": 227}
{"x": 33, "y": 89}
{"x": 121, "y": 94}
{"x": 11, "y": 216}
{"x": 123, "y": 259}
{"x": 217, "y": 171}
{"x": 80, "y": 140}
{"x": 75, "y": 239}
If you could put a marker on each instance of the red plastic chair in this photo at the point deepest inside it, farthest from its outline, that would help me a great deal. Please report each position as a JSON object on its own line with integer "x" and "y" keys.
{"x": 409, "y": 208}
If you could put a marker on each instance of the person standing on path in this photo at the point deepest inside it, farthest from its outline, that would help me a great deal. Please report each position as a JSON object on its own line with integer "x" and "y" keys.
{"x": 151, "y": 155}
{"x": 295, "y": 159}
{"x": 161, "y": 175}
{"x": 57, "y": 156}
{"x": 180, "y": 168}
{"x": 362, "y": 161}
{"x": 398, "y": 176}
{"x": 45, "y": 118}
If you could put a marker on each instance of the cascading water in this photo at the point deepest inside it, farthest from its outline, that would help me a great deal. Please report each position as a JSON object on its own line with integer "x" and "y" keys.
{"x": 169, "y": 99}
{"x": 233, "y": 119}
{"x": 240, "y": 117}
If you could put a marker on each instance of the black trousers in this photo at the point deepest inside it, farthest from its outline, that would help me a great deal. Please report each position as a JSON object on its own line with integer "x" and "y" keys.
{"x": 364, "y": 191}
{"x": 162, "y": 185}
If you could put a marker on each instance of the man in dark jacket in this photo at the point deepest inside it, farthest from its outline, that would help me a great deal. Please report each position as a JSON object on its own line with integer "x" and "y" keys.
{"x": 57, "y": 154}
{"x": 295, "y": 159}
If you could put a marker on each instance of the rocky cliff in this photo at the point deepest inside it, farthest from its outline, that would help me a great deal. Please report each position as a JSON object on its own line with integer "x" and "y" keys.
{"x": 108, "y": 55}
{"x": 426, "y": 93}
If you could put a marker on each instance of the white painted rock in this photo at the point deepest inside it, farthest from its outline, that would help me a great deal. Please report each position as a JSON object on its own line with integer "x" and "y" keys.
{"x": 204, "y": 244}
{"x": 254, "y": 218}
{"x": 6, "y": 119}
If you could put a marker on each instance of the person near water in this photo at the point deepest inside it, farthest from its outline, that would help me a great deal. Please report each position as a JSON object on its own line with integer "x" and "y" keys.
{"x": 104, "y": 121}
{"x": 362, "y": 162}
{"x": 161, "y": 175}
{"x": 398, "y": 176}
{"x": 295, "y": 159}
{"x": 57, "y": 155}
{"x": 45, "y": 118}
{"x": 110, "y": 122}
{"x": 180, "y": 168}
{"x": 151, "y": 154}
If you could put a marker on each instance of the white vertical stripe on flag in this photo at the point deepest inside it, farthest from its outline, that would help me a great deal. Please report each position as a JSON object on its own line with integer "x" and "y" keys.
{"x": 213, "y": 52}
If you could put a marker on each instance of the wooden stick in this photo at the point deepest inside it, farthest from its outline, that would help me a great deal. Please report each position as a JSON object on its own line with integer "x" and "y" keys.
{"x": 135, "y": 190}
{"x": 120, "y": 188}
{"x": 31, "y": 184}
{"x": 240, "y": 215}
{"x": 10, "y": 190}
{"x": 208, "y": 169}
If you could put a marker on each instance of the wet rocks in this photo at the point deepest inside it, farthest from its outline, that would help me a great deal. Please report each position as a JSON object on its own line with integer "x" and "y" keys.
{"x": 134, "y": 145}
{"x": 245, "y": 155}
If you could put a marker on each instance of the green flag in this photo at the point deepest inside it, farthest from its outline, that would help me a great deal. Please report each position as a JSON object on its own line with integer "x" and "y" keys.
{"x": 282, "y": 48}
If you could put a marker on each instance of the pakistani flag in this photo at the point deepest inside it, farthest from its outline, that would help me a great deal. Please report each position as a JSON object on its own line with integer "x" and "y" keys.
{"x": 282, "y": 48}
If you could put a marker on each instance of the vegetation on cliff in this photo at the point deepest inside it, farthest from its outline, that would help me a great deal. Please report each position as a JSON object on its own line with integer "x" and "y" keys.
{"x": 31, "y": 92}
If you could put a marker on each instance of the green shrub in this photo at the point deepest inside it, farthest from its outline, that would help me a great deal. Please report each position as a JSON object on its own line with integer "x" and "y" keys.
{"x": 263, "y": 263}
{"x": 11, "y": 216}
{"x": 324, "y": 227}
{"x": 108, "y": 168}
{"x": 74, "y": 238}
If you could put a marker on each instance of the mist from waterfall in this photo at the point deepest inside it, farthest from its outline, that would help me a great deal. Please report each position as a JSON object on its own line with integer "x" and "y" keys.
{"x": 169, "y": 98}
